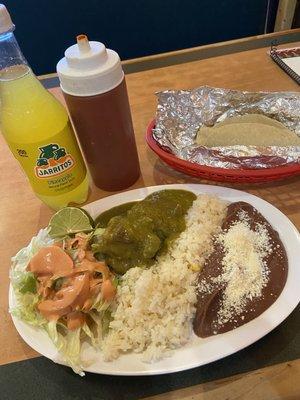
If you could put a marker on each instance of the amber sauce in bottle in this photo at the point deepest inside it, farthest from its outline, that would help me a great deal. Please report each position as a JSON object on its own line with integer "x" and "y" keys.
{"x": 102, "y": 121}
{"x": 104, "y": 128}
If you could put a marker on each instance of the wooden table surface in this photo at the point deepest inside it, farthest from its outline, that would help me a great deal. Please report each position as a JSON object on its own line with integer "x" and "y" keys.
{"x": 22, "y": 214}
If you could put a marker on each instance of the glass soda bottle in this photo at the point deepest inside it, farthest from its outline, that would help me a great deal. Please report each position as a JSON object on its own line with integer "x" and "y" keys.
{"x": 37, "y": 129}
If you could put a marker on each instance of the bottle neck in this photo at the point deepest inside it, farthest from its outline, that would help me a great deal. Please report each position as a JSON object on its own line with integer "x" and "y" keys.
{"x": 12, "y": 62}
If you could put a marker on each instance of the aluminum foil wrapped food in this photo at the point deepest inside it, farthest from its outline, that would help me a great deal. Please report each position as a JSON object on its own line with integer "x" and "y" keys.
{"x": 180, "y": 114}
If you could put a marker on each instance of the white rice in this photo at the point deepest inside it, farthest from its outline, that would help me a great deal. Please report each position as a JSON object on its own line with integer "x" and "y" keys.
{"x": 155, "y": 307}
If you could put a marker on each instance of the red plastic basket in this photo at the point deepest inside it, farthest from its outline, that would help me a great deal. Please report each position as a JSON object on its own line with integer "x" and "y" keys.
{"x": 220, "y": 174}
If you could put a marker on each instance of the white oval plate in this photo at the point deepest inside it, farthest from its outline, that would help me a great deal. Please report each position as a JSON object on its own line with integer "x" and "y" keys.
{"x": 198, "y": 351}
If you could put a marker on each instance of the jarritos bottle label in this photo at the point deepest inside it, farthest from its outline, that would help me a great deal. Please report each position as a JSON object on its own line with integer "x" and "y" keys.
{"x": 53, "y": 161}
{"x": 53, "y": 166}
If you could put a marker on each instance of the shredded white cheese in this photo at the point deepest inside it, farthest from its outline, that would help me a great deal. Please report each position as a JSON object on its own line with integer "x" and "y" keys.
{"x": 245, "y": 273}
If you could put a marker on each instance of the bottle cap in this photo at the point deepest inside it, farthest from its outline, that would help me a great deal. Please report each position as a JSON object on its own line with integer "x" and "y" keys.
{"x": 5, "y": 20}
{"x": 88, "y": 68}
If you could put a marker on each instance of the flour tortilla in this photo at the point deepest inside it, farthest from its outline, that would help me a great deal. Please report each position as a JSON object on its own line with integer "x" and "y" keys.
{"x": 247, "y": 130}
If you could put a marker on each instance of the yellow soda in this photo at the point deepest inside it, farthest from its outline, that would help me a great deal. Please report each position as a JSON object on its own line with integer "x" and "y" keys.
{"x": 37, "y": 128}
{"x": 38, "y": 131}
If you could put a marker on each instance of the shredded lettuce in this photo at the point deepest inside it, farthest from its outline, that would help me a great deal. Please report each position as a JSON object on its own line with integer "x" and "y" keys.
{"x": 98, "y": 232}
{"x": 24, "y": 284}
{"x": 22, "y": 258}
{"x": 26, "y": 309}
{"x": 67, "y": 342}
{"x": 28, "y": 283}
{"x": 116, "y": 281}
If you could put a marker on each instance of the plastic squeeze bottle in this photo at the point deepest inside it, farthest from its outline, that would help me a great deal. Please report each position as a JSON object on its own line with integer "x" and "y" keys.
{"x": 94, "y": 87}
{"x": 37, "y": 128}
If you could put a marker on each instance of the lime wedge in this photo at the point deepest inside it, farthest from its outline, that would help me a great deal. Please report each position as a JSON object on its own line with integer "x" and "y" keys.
{"x": 68, "y": 221}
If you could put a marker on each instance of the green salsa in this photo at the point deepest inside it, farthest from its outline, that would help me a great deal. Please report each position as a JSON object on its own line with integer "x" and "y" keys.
{"x": 136, "y": 232}
{"x": 103, "y": 219}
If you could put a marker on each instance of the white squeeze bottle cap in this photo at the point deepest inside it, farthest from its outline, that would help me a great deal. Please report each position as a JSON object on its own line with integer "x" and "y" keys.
{"x": 89, "y": 68}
